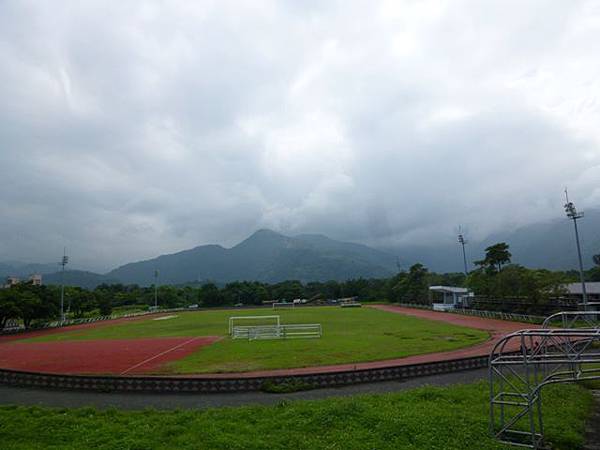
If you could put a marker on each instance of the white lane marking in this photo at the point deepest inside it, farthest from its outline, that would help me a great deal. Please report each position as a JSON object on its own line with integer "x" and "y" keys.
{"x": 158, "y": 355}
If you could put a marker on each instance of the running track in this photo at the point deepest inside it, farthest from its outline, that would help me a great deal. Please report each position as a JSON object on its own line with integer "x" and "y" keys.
{"x": 140, "y": 356}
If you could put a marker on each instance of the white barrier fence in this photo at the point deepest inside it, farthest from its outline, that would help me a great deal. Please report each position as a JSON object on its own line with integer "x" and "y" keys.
{"x": 291, "y": 331}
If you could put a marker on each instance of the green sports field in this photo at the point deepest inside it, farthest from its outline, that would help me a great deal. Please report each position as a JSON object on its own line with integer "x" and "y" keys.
{"x": 349, "y": 335}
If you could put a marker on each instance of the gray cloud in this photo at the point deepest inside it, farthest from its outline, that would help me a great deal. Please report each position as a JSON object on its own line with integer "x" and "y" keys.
{"x": 147, "y": 127}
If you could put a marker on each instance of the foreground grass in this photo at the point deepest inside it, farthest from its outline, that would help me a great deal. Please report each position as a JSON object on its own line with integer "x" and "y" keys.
{"x": 349, "y": 335}
{"x": 424, "y": 418}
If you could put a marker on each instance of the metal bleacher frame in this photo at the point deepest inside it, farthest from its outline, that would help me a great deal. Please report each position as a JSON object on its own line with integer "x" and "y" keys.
{"x": 523, "y": 362}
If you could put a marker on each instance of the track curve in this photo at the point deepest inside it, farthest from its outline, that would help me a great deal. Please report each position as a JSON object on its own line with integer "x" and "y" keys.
{"x": 318, "y": 377}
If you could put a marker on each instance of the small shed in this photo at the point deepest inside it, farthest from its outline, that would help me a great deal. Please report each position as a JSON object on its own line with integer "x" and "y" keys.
{"x": 444, "y": 298}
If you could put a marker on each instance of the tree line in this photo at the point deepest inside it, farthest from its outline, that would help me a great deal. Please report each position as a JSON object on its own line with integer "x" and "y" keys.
{"x": 495, "y": 277}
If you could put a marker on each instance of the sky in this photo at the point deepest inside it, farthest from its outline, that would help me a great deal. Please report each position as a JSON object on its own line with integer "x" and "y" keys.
{"x": 135, "y": 128}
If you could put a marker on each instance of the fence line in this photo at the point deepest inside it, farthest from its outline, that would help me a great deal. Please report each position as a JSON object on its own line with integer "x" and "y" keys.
{"x": 69, "y": 322}
{"x": 485, "y": 314}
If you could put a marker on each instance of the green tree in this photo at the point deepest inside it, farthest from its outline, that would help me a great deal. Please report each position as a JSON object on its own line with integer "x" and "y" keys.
{"x": 594, "y": 273}
{"x": 9, "y": 306}
{"x": 30, "y": 307}
{"x": 80, "y": 301}
{"x": 496, "y": 256}
{"x": 412, "y": 287}
{"x": 210, "y": 295}
{"x": 104, "y": 302}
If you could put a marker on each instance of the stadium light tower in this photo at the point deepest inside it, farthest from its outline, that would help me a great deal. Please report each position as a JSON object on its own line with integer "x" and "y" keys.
{"x": 573, "y": 215}
{"x": 156, "y": 289}
{"x": 63, "y": 263}
{"x": 462, "y": 241}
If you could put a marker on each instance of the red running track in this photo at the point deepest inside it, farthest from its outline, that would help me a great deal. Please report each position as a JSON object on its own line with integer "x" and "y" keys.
{"x": 147, "y": 355}
{"x": 82, "y": 326}
{"x": 106, "y": 356}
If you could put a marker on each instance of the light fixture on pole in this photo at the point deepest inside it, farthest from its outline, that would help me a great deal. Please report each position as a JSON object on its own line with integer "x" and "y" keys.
{"x": 63, "y": 263}
{"x": 573, "y": 215}
{"x": 462, "y": 241}
{"x": 156, "y": 289}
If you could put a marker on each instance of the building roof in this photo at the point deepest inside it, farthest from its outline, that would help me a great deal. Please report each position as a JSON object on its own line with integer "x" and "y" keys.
{"x": 451, "y": 289}
{"x": 590, "y": 288}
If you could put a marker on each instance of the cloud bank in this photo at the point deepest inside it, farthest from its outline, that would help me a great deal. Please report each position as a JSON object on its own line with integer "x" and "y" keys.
{"x": 133, "y": 129}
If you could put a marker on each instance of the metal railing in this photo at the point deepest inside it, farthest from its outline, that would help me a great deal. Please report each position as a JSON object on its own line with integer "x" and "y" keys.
{"x": 290, "y": 331}
{"x": 522, "y": 363}
{"x": 483, "y": 313}
{"x": 570, "y": 319}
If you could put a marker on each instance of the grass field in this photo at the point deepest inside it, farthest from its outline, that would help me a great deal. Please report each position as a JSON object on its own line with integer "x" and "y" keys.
{"x": 454, "y": 418}
{"x": 349, "y": 335}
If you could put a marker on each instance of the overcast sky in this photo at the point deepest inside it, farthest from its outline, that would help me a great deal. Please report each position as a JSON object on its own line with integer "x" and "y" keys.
{"x": 130, "y": 129}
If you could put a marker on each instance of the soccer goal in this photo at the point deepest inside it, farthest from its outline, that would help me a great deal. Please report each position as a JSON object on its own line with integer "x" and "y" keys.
{"x": 242, "y": 322}
{"x": 283, "y": 305}
{"x": 290, "y": 331}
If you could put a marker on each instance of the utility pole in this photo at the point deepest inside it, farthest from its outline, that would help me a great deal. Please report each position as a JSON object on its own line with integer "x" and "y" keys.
{"x": 573, "y": 215}
{"x": 462, "y": 241}
{"x": 63, "y": 263}
{"x": 156, "y": 289}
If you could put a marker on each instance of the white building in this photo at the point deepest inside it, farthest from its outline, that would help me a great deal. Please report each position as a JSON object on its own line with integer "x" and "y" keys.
{"x": 36, "y": 279}
{"x": 445, "y": 298}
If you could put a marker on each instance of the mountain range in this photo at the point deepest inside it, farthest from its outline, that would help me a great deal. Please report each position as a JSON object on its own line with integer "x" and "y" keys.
{"x": 265, "y": 256}
{"x": 272, "y": 257}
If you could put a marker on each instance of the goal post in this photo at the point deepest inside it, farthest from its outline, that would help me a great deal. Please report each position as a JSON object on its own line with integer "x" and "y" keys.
{"x": 283, "y": 305}
{"x": 253, "y": 321}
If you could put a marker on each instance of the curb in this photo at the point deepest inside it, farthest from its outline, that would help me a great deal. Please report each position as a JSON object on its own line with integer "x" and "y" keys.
{"x": 206, "y": 385}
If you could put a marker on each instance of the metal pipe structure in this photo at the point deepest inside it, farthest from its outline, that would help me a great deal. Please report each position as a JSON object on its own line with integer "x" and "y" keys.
{"x": 523, "y": 362}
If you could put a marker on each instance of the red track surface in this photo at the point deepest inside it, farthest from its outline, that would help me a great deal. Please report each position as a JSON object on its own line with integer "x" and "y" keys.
{"x": 139, "y": 356}
{"x": 116, "y": 356}
{"x": 83, "y": 326}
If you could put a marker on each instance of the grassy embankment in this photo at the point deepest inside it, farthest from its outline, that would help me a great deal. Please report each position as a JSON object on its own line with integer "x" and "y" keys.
{"x": 454, "y": 418}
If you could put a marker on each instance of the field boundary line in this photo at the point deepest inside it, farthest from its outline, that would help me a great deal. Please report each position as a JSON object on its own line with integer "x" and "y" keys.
{"x": 147, "y": 360}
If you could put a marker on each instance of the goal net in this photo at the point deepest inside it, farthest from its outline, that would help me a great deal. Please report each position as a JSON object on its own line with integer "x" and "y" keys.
{"x": 283, "y": 305}
{"x": 244, "y": 322}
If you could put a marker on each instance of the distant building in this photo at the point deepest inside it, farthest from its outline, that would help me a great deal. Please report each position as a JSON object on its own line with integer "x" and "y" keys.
{"x": 575, "y": 292}
{"x": 35, "y": 279}
{"x": 11, "y": 281}
{"x": 445, "y": 298}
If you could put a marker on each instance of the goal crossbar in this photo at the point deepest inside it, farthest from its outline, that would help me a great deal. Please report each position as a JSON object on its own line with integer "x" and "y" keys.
{"x": 233, "y": 319}
{"x": 281, "y": 304}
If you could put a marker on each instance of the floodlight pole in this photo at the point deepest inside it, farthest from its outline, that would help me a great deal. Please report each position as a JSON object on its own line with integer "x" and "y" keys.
{"x": 573, "y": 215}
{"x": 156, "y": 289}
{"x": 461, "y": 240}
{"x": 63, "y": 263}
